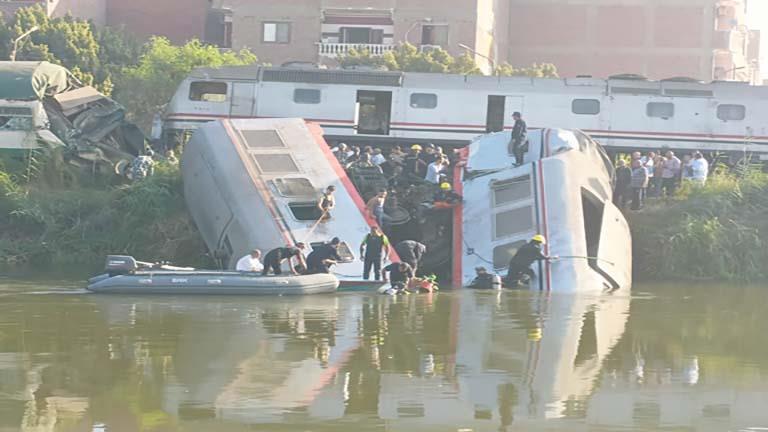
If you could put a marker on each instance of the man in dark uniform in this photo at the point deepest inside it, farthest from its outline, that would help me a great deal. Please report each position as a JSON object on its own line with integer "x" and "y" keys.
{"x": 520, "y": 264}
{"x": 323, "y": 257}
{"x": 411, "y": 252}
{"x": 400, "y": 275}
{"x": 415, "y": 168}
{"x": 518, "y": 142}
{"x": 273, "y": 260}
{"x": 483, "y": 279}
{"x": 374, "y": 249}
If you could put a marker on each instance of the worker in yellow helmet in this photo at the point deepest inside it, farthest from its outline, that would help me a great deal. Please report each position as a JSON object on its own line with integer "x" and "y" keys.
{"x": 446, "y": 195}
{"x": 520, "y": 265}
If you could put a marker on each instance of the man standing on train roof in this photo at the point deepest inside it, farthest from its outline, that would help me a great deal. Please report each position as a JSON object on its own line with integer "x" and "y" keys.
{"x": 411, "y": 252}
{"x": 520, "y": 264}
{"x": 373, "y": 251}
{"x": 250, "y": 262}
{"x": 519, "y": 138}
{"x": 273, "y": 260}
{"x": 327, "y": 201}
{"x": 323, "y": 257}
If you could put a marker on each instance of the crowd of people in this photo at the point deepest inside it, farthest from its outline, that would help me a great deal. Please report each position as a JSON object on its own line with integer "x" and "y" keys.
{"x": 656, "y": 176}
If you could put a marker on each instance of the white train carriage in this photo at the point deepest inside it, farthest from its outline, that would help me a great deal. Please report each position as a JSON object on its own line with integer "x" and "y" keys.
{"x": 395, "y": 107}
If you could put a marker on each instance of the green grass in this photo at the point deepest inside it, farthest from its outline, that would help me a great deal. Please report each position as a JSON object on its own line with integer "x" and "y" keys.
{"x": 716, "y": 232}
{"x": 80, "y": 225}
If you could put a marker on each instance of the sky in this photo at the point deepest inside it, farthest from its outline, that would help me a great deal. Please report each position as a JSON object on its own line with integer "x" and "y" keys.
{"x": 758, "y": 19}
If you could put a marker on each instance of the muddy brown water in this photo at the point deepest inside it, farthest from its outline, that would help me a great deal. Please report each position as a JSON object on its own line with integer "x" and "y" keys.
{"x": 665, "y": 357}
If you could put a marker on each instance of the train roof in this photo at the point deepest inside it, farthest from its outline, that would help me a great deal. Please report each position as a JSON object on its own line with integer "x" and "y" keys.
{"x": 614, "y": 86}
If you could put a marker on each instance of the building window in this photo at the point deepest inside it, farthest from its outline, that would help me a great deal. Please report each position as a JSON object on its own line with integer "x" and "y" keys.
{"x": 663, "y": 110}
{"x": 276, "y": 32}
{"x": 728, "y": 112}
{"x": 361, "y": 35}
{"x": 585, "y": 106}
{"x": 306, "y": 96}
{"x": 434, "y": 35}
{"x": 218, "y": 28}
{"x": 208, "y": 91}
{"x": 423, "y": 100}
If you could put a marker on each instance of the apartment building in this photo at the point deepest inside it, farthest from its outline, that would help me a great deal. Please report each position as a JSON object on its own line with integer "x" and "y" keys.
{"x": 321, "y": 30}
{"x": 701, "y": 39}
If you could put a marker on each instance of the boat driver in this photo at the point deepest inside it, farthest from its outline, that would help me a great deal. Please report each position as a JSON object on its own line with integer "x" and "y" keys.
{"x": 273, "y": 260}
{"x": 250, "y": 262}
{"x": 520, "y": 265}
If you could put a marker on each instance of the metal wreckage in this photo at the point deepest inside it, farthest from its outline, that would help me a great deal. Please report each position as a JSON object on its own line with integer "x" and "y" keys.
{"x": 43, "y": 106}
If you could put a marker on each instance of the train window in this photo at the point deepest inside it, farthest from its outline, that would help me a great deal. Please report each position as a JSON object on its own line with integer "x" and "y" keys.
{"x": 275, "y": 163}
{"x": 511, "y": 222}
{"x": 507, "y": 191}
{"x": 305, "y": 211}
{"x": 208, "y": 91}
{"x": 294, "y": 187}
{"x": 306, "y": 96}
{"x": 664, "y": 110}
{"x": 503, "y": 253}
{"x": 727, "y": 112}
{"x": 585, "y": 106}
{"x": 423, "y": 100}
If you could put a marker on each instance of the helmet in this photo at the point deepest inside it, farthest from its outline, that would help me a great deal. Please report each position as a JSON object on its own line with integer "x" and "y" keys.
{"x": 539, "y": 238}
{"x": 445, "y": 186}
{"x": 416, "y": 147}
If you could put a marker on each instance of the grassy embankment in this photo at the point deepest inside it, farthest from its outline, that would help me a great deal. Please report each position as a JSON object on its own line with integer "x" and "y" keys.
{"x": 42, "y": 221}
{"x": 716, "y": 232}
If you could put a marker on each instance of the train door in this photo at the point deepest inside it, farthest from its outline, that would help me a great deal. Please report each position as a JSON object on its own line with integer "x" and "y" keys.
{"x": 243, "y": 99}
{"x": 500, "y": 109}
{"x": 373, "y": 112}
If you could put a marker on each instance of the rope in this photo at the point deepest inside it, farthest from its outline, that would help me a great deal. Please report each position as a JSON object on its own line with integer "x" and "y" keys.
{"x": 466, "y": 245}
{"x": 587, "y": 258}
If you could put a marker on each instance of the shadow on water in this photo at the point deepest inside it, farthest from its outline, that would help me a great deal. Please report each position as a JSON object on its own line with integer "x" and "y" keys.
{"x": 665, "y": 357}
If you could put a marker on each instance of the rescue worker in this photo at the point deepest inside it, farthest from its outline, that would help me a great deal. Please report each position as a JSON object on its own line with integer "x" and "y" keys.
{"x": 415, "y": 168}
{"x": 250, "y": 262}
{"x": 446, "y": 195}
{"x": 327, "y": 201}
{"x": 323, "y": 257}
{"x": 484, "y": 280}
{"x": 518, "y": 141}
{"x": 400, "y": 275}
{"x": 273, "y": 260}
{"x": 374, "y": 249}
{"x": 520, "y": 264}
{"x": 411, "y": 252}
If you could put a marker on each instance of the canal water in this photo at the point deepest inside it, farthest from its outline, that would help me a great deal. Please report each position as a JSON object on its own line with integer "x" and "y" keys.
{"x": 677, "y": 357}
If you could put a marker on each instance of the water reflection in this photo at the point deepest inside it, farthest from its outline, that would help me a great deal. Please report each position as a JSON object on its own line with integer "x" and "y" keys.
{"x": 670, "y": 357}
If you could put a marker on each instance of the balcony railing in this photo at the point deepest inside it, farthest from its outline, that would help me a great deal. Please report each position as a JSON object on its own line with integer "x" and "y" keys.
{"x": 340, "y": 49}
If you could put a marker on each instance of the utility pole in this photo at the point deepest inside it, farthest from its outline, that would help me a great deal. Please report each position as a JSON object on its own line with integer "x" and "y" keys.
{"x": 492, "y": 62}
{"x": 18, "y": 39}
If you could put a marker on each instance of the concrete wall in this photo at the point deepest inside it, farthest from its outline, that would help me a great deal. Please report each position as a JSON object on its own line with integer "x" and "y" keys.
{"x": 178, "y": 20}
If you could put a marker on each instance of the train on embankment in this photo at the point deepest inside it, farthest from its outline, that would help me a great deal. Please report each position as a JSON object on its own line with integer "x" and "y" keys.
{"x": 624, "y": 112}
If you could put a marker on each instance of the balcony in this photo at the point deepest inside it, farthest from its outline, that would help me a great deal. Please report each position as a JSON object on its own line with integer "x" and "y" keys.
{"x": 341, "y": 49}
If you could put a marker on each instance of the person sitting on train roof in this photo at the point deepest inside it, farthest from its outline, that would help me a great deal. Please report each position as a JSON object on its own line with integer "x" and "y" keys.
{"x": 250, "y": 262}
{"x": 446, "y": 195}
{"x": 520, "y": 264}
{"x": 327, "y": 201}
{"x": 323, "y": 257}
{"x": 273, "y": 260}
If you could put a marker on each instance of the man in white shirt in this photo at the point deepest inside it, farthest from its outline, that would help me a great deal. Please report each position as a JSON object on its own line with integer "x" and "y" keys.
{"x": 377, "y": 157}
{"x": 250, "y": 262}
{"x": 434, "y": 170}
{"x": 700, "y": 168}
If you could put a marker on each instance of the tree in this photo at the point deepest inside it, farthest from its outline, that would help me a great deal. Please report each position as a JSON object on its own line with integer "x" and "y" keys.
{"x": 408, "y": 58}
{"x": 145, "y": 88}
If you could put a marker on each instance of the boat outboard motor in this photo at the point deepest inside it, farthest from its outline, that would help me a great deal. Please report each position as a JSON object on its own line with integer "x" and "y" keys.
{"x": 120, "y": 265}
